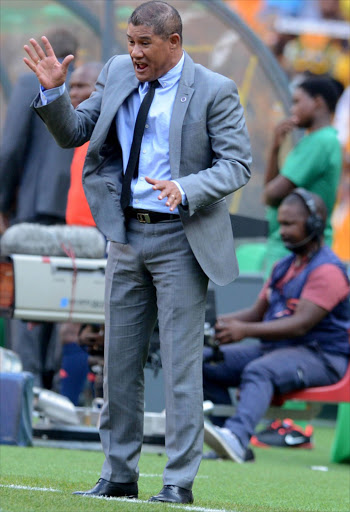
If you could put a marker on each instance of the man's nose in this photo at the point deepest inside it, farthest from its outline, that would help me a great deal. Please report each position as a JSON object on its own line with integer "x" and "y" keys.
{"x": 282, "y": 231}
{"x": 136, "y": 51}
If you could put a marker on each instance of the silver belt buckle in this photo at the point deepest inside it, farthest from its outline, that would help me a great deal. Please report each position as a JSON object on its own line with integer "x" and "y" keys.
{"x": 144, "y": 218}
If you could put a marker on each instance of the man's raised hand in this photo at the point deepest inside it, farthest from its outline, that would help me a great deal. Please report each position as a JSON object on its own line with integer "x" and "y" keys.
{"x": 50, "y": 72}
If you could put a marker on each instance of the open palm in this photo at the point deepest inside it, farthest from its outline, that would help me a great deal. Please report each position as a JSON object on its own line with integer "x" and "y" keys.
{"x": 50, "y": 72}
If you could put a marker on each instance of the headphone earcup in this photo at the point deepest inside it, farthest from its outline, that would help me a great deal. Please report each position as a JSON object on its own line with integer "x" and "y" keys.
{"x": 315, "y": 225}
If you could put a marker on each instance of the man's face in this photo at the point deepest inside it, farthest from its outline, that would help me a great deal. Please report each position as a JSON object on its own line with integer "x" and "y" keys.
{"x": 292, "y": 219}
{"x": 303, "y": 108}
{"x": 81, "y": 85}
{"x": 151, "y": 55}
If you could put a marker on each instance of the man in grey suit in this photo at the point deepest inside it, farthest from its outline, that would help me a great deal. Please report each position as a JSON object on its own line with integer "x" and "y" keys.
{"x": 173, "y": 234}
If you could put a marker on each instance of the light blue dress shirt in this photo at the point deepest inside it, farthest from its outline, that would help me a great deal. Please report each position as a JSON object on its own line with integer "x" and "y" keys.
{"x": 154, "y": 154}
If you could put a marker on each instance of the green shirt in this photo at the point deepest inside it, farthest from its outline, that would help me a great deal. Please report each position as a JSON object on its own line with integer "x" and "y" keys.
{"x": 315, "y": 164}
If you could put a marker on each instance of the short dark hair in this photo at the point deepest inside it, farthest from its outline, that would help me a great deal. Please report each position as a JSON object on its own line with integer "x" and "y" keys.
{"x": 325, "y": 86}
{"x": 320, "y": 206}
{"x": 63, "y": 42}
{"x": 163, "y": 18}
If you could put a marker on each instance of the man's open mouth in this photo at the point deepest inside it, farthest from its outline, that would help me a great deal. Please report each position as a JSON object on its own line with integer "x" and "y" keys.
{"x": 140, "y": 66}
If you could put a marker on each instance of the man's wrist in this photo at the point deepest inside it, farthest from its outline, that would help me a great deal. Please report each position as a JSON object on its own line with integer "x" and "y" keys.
{"x": 184, "y": 201}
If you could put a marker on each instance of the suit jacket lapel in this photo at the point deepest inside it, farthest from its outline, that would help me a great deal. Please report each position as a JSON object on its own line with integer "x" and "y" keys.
{"x": 182, "y": 100}
{"x": 126, "y": 85}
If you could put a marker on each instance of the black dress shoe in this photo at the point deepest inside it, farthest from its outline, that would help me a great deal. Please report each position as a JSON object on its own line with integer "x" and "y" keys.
{"x": 173, "y": 494}
{"x": 111, "y": 489}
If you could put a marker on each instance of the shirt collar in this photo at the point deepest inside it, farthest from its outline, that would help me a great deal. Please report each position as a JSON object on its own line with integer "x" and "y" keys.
{"x": 173, "y": 75}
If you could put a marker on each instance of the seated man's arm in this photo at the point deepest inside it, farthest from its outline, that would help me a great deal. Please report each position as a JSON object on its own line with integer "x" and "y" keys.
{"x": 304, "y": 318}
{"x": 324, "y": 289}
{"x": 226, "y": 325}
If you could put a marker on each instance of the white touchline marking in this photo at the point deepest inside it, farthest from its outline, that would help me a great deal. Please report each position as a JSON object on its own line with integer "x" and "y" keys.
{"x": 154, "y": 475}
{"x": 150, "y": 475}
{"x": 28, "y": 488}
{"x": 177, "y": 506}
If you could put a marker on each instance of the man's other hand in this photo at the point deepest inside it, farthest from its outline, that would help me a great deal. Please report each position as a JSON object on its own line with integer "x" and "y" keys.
{"x": 167, "y": 189}
{"x": 50, "y": 72}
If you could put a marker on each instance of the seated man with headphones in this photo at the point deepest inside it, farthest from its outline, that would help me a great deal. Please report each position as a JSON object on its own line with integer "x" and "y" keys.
{"x": 301, "y": 318}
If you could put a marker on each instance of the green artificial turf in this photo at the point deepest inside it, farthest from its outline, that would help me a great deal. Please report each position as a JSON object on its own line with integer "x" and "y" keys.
{"x": 281, "y": 480}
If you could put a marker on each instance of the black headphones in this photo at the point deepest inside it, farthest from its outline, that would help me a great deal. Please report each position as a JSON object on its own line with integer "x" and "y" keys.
{"x": 315, "y": 225}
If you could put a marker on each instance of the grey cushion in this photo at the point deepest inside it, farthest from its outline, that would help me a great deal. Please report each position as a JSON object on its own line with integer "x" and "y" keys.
{"x": 56, "y": 240}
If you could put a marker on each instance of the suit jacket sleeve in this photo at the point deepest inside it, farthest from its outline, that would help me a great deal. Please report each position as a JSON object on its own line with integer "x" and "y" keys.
{"x": 72, "y": 128}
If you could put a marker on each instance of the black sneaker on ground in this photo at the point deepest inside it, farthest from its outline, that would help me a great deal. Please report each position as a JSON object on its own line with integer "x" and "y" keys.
{"x": 284, "y": 434}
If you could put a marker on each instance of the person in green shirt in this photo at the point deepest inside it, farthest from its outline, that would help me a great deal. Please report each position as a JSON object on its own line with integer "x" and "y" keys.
{"x": 315, "y": 163}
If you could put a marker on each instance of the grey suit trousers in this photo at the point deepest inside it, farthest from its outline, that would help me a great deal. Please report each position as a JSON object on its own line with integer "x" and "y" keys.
{"x": 154, "y": 274}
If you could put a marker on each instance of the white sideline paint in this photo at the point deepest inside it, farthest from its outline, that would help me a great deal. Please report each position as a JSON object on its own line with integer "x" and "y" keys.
{"x": 177, "y": 506}
{"x": 150, "y": 475}
{"x": 27, "y": 488}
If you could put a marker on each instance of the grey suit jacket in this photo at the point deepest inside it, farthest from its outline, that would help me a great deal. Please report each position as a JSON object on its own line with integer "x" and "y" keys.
{"x": 209, "y": 153}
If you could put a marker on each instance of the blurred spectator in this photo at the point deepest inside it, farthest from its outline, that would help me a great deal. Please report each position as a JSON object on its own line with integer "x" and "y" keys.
{"x": 342, "y": 119}
{"x": 79, "y": 341}
{"x": 82, "y": 361}
{"x": 304, "y": 35}
{"x": 314, "y": 163}
{"x": 34, "y": 170}
{"x": 74, "y": 363}
{"x": 82, "y": 84}
{"x": 341, "y": 214}
{"x": 315, "y": 43}
{"x": 341, "y": 220}
{"x": 34, "y": 177}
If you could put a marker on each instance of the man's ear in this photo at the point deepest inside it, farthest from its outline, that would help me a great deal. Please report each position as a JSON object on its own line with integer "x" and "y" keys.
{"x": 175, "y": 41}
{"x": 320, "y": 101}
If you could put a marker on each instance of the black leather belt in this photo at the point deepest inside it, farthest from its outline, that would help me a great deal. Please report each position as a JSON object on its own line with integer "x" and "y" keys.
{"x": 148, "y": 217}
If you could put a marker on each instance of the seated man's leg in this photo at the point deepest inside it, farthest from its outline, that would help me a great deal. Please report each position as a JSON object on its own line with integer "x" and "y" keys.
{"x": 280, "y": 370}
{"x": 218, "y": 377}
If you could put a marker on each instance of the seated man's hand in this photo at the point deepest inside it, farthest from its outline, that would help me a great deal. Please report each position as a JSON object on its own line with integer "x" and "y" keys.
{"x": 4, "y": 223}
{"x": 92, "y": 338}
{"x": 229, "y": 329}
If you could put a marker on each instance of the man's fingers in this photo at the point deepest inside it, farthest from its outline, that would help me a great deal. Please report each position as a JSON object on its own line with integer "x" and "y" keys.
{"x": 151, "y": 181}
{"x": 39, "y": 51}
{"x": 48, "y": 47}
{"x": 167, "y": 189}
{"x": 32, "y": 55}
{"x": 173, "y": 201}
{"x": 30, "y": 64}
{"x": 67, "y": 60}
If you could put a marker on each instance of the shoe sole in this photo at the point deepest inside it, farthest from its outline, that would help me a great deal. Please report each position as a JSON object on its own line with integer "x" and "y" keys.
{"x": 170, "y": 501}
{"x": 259, "y": 444}
{"x": 97, "y": 495}
{"x": 219, "y": 445}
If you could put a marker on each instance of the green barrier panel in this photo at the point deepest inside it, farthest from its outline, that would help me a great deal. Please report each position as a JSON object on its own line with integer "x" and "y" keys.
{"x": 340, "y": 451}
{"x": 251, "y": 257}
{"x": 2, "y": 332}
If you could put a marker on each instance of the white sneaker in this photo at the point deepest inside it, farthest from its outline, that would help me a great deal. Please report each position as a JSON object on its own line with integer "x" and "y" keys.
{"x": 224, "y": 442}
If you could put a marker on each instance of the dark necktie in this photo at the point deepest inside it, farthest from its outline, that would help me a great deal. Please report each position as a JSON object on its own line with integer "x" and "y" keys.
{"x": 133, "y": 163}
